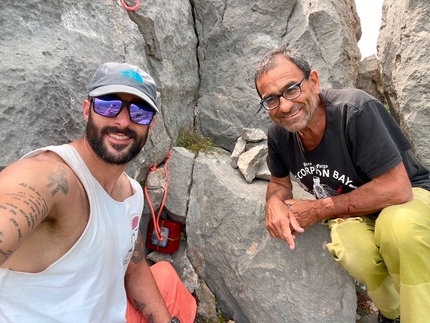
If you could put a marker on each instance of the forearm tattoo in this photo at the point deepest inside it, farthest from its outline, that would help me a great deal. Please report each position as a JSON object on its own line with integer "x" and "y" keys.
{"x": 36, "y": 208}
{"x": 140, "y": 307}
{"x": 138, "y": 250}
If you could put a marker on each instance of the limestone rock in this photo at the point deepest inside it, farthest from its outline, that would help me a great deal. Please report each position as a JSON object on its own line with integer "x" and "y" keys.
{"x": 185, "y": 269}
{"x": 253, "y": 135}
{"x": 250, "y": 161}
{"x": 155, "y": 183}
{"x": 230, "y": 47}
{"x": 180, "y": 167}
{"x": 206, "y": 311}
{"x": 256, "y": 278}
{"x": 403, "y": 45}
{"x": 239, "y": 148}
{"x": 369, "y": 78}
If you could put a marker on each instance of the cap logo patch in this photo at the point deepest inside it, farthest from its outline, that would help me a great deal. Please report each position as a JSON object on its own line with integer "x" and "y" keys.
{"x": 132, "y": 74}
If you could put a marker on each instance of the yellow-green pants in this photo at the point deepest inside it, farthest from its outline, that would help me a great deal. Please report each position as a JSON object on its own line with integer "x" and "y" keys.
{"x": 391, "y": 256}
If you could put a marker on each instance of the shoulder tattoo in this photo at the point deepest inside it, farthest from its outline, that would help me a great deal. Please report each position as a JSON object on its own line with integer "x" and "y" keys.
{"x": 58, "y": 181}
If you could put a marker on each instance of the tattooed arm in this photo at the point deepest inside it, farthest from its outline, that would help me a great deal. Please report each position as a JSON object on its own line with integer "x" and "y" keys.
{"x": 142, "y": 290}
{"x": 29, "y": 189}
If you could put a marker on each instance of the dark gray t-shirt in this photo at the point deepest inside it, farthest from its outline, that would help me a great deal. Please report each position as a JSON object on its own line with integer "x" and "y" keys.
{"x": 361, "y": 141}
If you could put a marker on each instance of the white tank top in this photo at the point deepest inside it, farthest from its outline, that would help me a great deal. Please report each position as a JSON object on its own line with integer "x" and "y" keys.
{"x": 87, "y": 283}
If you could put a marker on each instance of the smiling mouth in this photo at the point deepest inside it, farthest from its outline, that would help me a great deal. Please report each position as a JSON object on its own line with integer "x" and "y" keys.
{"x": 291, "y": 115}
{"x": 118, "y": 136}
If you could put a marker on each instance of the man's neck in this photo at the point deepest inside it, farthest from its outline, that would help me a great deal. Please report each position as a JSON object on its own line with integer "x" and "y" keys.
{"x": 108, "y": 175}
{"x": 312, "y": 135}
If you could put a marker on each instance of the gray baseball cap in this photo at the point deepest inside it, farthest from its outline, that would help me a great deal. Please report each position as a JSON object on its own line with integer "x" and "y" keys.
{"x": 123, "y": 78}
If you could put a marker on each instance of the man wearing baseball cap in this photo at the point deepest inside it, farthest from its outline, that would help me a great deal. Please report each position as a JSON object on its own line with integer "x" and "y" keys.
{"x": 70, "y": 246}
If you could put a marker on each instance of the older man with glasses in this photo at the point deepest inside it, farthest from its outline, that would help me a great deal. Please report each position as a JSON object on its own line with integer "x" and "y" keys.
{"x": 70, "y": 245}
{"x": 370, "y": 189}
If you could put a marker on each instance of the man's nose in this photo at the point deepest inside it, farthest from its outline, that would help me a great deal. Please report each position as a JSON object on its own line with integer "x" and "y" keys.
{"x": 284, "y": 105}
{"x": 123, "y": 118}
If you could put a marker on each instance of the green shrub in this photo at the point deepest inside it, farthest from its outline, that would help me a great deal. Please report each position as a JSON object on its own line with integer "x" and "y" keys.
{"x": 194, "y": 141}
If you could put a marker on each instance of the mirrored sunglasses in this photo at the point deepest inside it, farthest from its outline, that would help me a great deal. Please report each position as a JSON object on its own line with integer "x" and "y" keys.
{"x": 110, "y": 106}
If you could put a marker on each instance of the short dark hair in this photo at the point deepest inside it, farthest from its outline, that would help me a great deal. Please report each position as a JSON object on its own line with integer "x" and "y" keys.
{"x": 269, "y": 62}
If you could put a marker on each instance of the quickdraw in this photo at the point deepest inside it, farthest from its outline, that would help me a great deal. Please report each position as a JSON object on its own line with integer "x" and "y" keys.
{"x": 126, "y": 6}
{"x": 156, "y": 219}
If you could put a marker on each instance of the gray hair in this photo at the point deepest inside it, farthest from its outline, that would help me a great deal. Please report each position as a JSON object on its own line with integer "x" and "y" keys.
{"x": 269, "y": 62}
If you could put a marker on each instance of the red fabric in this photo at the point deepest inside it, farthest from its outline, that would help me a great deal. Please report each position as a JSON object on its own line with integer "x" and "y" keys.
{"x": 178, "y": 299}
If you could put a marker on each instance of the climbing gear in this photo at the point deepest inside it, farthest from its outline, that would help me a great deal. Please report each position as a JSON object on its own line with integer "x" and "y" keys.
{"x": 131, "y": 8}
{"x": 163, "y": 235}
{"x": 171, "y": 233}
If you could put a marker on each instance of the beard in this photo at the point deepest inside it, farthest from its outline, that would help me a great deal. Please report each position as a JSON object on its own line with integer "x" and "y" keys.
{"x": 95, "y": 137}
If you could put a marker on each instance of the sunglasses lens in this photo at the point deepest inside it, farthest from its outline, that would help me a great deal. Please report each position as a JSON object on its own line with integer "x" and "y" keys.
{"x": 141, "y": 113}
{"x": 110, "y": 106}
{"x": 107, "y": 106}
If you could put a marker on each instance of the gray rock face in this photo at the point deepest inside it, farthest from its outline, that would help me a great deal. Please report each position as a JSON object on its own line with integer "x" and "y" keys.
{"x": 403, "y": 45}
{"x": 202, "y": 55}
{"x": 180, "y": 167}
{"x": 235, "y": 35}
{"x": 369, "y": 78}
{"x": 50, "y": 52}
{"x": 256, "y": 278}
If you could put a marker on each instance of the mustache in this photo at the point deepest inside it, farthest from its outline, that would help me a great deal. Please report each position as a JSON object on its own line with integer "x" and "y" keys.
{"x": 296, "y": 107}
{"x": 128, "y": 132}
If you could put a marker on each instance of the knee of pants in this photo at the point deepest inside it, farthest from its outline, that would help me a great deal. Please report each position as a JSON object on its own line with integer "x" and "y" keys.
{"x": 400, "y": 227}
{"x": 403, "y": 234}
{"x": 178, "y": 299}
{"x": 165, "y": 275}
{"x": 353, "y": 247}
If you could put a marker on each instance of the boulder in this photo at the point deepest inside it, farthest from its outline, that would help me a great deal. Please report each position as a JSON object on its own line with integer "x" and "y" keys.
{"x": 403, "y": 52}
{"x": 255, "y": 277}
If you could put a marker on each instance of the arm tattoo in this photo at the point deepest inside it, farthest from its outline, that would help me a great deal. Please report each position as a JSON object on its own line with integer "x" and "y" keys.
{"x": 150, "y": 318}
{"x": 18, "y": 229}
{"x": 36, "y": 210}
{"x": 59, "y": 179}
{"x": 138, "y": 250}
{"x": 4, "y": 254}
{"x": 140, "y": 307}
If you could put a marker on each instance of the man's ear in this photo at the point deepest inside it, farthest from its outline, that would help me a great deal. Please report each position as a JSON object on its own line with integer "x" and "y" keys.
{"x": 151, "y": 125}
{"x": 86, "y": 107}
{"x": 315, "y": 81}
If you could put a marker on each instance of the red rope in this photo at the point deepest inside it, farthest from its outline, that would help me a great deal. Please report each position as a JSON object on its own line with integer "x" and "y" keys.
{"x": 131, "y": 8}
{"x": 157, "y": 219}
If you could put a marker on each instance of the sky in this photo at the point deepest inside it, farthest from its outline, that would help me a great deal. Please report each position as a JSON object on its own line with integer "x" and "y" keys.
{"x": 370, "y": 12}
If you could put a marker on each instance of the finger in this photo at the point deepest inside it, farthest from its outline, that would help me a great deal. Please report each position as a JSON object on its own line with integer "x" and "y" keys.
{"x": 274, "y": 226}
{"x": 274, "y": 230}
{"x": 295, "y": 225}
{"x": 287, "y": 236}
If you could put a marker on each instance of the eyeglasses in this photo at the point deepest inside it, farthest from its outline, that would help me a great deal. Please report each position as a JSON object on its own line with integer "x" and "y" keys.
{"x": 291, "y": 93}
{"x": 110, "y": 106}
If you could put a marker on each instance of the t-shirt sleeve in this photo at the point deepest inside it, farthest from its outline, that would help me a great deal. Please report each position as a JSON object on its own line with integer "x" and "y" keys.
{"x": 375, "y": 139}
{"x": 274, "y": 157}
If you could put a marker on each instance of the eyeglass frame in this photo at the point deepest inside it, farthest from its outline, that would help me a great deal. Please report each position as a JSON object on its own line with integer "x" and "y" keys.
{"x": 298, "y": 84}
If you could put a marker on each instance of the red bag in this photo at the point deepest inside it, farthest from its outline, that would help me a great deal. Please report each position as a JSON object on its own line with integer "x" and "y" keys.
{"x": 171, "y": 233}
